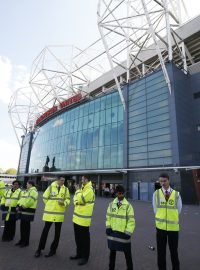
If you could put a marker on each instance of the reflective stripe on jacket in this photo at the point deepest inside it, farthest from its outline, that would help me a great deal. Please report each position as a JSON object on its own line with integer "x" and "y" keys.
{"x": 28, "y": 204}
{"x": 2, "y": 189}
{"x": 121, "y": 221}
{"x": 167, "y": 216}
{"x": 53, "y": 212}
{"x": 9, "y": 203}
{"x": 83, "y": 205}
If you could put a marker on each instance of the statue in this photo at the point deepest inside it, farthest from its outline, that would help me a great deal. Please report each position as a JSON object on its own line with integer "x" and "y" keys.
{"x": 53, "y": 167}
{"x": 47, "y": 161}
{"x": 46, "y": 167}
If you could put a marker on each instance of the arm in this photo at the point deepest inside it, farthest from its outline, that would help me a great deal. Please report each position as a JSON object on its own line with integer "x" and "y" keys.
{"x": 108, "y": 221}
{"x": 179, "y": 204}
{"x": 32, "y": 197}
{"x": 46, "y": 195}
{"x": 130, "y": 226}
{"x": 67, "y": 198}
{"x": 82, "y": 198}
{"x": 2, "y": 189}
{"x": 154, "y": 202}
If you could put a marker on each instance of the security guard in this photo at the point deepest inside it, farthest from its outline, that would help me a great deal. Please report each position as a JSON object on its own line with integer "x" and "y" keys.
{"x": 120, "y": 224}
{"x": 8, "y": 206}
{"x": 2, "y": 189}
{"x": 56, "y": 198}
{"x": 84, "y": 199}
{"x": 26, "y": 210}
{"x": 167, "y": 206}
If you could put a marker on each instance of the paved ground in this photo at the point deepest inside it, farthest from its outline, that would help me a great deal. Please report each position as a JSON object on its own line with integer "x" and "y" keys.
{"x": 12, "y": 257}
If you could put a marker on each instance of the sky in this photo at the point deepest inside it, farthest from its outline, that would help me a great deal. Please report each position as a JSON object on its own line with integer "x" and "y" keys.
{"x": 26, "y": 27}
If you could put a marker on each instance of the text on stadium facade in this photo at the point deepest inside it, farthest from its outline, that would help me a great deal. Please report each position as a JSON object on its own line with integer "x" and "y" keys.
{"x": 62, "y": 105}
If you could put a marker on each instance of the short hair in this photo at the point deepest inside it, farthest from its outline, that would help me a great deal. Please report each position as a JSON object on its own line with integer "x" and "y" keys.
{"x": 60, "y": 176}
{"x": 164, "y": 175}
{"x": 120, "y": 188}
{"x": 31, "y": 182}
{"x": 86, "y": 176}
{"x": 16, "y": 181}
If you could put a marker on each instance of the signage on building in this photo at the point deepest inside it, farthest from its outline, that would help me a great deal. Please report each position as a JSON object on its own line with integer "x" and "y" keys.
{"x": 62, "y": 105}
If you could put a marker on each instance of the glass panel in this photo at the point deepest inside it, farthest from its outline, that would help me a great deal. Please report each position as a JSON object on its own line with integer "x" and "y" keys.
{"x": 115, "y": 99}
{"x": 135, "y": 190}
{"x": 94, "y": 158}
{"x": 114, "y": 114}
{"x": 114, "y": 150}
{"x": 107, "y": 134}
{"x": 144, "y": 191}
{"x": 114, "y": 133}
{"x": 100, "y": 157}
{"x": 107, "y": 157}
{"x": 108, "y": 101}
{"x": 108, "y": 116}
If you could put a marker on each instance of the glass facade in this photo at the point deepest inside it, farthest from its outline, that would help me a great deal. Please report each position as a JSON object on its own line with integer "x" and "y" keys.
{"x": 89, "y": 136}
{"x": 149, "y": 122}
{"x": 24, "y": 154}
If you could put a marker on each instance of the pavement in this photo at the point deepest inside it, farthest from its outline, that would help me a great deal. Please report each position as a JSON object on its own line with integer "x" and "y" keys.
{"x": 16, "y": 258}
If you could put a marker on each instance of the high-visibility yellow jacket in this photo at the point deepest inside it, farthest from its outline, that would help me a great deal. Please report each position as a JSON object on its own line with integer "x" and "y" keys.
{"x": 28, "y": 204}
{"x": 53, "y": 212}
{"x": 9, "y": 203}
{"x": 120, "y": 219}
{"x": 167, "y": 216}
{"x": 84, "y": 199}
{"x": 120, "y": 223}
{"x": 2, "y": 188}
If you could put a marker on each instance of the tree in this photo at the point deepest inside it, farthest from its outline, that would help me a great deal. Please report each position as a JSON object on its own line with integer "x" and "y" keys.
{"x": 11, "y": 171}
{"x": 1, "y": 170}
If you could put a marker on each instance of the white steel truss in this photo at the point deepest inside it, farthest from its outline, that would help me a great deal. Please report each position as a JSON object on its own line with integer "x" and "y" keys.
{"x": 23, "y": 109}
{"x": 133, "y": 29}
{"x": 137, "y": 36}
{"x": 58, "y": 73}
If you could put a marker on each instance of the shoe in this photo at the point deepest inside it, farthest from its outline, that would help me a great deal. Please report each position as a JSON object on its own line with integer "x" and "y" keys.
{"x": 82, "y": 261}
{"x": 18, "y": 243}
{"x": 75, "y": 257}
{"x": 37, "y": 253}
{"x": 50, "y": 254}
{"x": 24, "y": 245}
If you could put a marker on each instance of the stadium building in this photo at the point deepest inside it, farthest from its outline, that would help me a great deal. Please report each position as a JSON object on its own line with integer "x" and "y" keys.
{"x": 120, "y": 130}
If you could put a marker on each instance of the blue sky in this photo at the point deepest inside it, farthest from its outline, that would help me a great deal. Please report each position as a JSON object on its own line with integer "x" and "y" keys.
{"x": 26, "y": 27}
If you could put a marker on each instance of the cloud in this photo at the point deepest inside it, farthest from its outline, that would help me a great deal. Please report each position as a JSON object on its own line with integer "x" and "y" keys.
{"x": 58, "y": 122}
{"x": 10, "y": 155}
{"x": 12, "y": 77}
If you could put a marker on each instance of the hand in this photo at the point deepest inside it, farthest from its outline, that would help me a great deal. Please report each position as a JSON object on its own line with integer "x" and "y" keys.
{"x": 76, "y": 187}
{"x": 109, "y": 231}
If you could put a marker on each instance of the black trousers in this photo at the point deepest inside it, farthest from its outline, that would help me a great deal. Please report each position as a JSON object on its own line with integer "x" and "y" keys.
{"x": 128, "y": 257}
{"x": 82, "y": 238}
{"x": 44, "y": 235}
{"x": 25, "y": 229}
{"x": 9, "y": 230}
{"x": 162, "y": 237}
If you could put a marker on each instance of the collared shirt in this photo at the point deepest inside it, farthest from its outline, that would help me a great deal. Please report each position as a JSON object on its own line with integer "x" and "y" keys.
{"x": 179, "y": 201}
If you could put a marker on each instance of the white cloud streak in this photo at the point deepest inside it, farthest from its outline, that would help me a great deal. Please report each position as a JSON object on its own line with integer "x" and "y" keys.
{"x": 12, "y": 77}
{"x": 10, "y": 155}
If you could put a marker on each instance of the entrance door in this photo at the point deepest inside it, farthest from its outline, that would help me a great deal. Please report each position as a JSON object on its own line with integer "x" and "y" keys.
{"x": 142, "y": 191}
